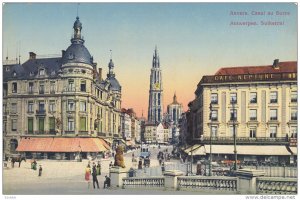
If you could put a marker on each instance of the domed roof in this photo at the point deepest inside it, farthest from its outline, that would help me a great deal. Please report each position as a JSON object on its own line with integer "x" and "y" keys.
{"x": 114, "y": 84}
{"x": 77, "y": 53}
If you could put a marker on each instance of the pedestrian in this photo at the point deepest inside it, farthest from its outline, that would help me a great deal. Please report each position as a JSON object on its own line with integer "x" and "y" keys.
{"x": 40, "y": 170}
{"x": 106, "y": 182}
{"x": 94, "y": 174}
{"x": 34, "y": 164}
{"x": 99, "y": 168}
{"x": 140, "y": 166}
{"x": 110, "y": 164}
{"x": 87, "y": 174}
{"x": 163, "y": 166}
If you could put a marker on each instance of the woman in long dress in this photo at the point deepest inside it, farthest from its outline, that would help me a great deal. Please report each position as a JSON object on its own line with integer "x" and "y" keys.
{"x": 98, "y": 168}
{"x": 88, "y": 174}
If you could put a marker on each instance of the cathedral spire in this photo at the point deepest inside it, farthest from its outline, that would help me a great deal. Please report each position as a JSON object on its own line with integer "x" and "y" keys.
{"x": 155, "y": 62}
{"x": 175, "y": 99}
{"x": 111, "y": 67}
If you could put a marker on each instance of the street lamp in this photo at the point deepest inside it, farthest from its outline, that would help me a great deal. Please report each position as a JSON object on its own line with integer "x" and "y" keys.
{"x": 234, "y": 135}
{"x": 210, "y": 146}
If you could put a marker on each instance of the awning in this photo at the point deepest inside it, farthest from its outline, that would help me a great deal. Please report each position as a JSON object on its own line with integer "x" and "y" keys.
{"x": 30, "y": 144}
{"x": 267, "y": 150}
{"x": 192, "y": 148}
{"x": 294, "y": 150}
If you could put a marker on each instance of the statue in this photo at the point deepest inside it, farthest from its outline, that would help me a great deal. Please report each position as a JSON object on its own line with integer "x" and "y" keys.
{"x": 119, "y": 158}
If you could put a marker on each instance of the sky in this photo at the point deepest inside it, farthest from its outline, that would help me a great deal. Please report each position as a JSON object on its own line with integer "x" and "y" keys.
{"x": 193, "y": 40}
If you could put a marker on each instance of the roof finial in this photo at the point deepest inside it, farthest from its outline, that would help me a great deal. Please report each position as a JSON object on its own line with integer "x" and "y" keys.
{"x": 7, "y": 53}
{"x": 110, "y": 54}
{"x": 77, "y": 9}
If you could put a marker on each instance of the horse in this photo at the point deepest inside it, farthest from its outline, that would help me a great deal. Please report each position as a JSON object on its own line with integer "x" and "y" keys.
{"x": 17, "y": 159}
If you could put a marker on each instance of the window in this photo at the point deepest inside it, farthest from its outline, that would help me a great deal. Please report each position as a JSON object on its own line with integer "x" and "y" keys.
{"x": 294, "y": 114}
{"x": 71, "y": 124}
{"x": 214, "y": 131}
{"x": 14, "y": 108}
{"x": 214, "y": 98}
{"x": 82, "y": 106}
{"x": 158, "y": 98}
{"x": 273, "y": 97}
{"x": 30, "y": 106}
{"x": 14, "y": 87}
{"x": 30, "y": 125}
{"x": 82, "y": 123}
{"x": 273, "y": 114}
{"x": 293, "y": 131}
{"x": 294, "y": 96}
{"x": 4, "y": 89}
{"x": 42, "y": 72}
{"x": 273, "y": 131}
{"x": 30, "y": 88}
{"x": 233, "y": 114}
{"x": 253, "y": 97}
{"x": 52, "y": 87}
{"x": 214, "y": 115}
{"x": 13, "y": 124}
{"x": 52, "y": 125}
{"x": 233, "y": 98}
{"x": 71, "y": 85}
{"x": 42, "y": 88}
{"x": 4, "y": 109}
{"x": 253, "y": 114}
{"x": 252, "y": 132}
{"x": 71, "y": 105}
{"x": 52, "y": 105}
{"x": 41, "y": 106}
{"x": 82, "y": 86}
{"x": 41, "y": 125}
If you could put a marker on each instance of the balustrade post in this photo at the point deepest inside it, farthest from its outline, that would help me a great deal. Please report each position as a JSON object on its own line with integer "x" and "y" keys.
{"x": 171, "y": 178}
{"x": 247, "y": 180}
{"x": 116, "y": 175}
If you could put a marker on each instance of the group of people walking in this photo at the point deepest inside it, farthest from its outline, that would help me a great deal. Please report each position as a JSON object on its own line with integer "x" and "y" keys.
{"x": 95, "y": 171}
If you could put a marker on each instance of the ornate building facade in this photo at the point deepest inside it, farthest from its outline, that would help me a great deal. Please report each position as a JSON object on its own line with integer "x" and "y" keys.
{"x": 63, "y": 97}
{"x": 155, "y": 109}
{"x": 174, "y": 110}
{"x": 258, "y": 104}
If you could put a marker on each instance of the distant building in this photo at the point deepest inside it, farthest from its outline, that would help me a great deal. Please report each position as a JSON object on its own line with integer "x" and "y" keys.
{"x": 150, "y": 133}
{"x": 257, "y": 103}
{"x": 60, "y": 107}
{"x": 155, "y": 108}
{"x": 162, "y": 134}
{"x": 175, "y": 110}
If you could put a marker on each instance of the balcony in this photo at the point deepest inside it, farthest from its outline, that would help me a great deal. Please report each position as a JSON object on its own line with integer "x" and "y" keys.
{"x": 253, "y": 118}
{"x": 52, "y": 91}
{"x": 69, "y": 132}
{"x": 233, "y": 101}
{"x": 83, "y": 132}
{"x": 273, "y": 101}
{"x": 30, "y": 92}
{"x": 273, "y": 118}
{"x": 41, "y": 92}
{"x": 247, "y": 140}
{"x": 214, "y": 119}
{"x": 41, "y": 112}
{"x": 101, "y": 134}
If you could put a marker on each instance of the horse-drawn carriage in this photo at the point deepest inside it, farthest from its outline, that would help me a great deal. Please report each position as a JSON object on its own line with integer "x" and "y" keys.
{"x": 12, "y": 158}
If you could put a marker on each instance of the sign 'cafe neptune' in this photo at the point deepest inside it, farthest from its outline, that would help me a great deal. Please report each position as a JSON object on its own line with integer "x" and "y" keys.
{"x": 249, "y": 77}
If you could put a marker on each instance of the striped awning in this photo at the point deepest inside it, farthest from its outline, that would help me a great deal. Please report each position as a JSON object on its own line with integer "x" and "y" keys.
{"x": 31, "y": 144}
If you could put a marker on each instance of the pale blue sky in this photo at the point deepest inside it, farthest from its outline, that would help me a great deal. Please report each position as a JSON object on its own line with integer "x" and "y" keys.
{"x": 193, "y": 39}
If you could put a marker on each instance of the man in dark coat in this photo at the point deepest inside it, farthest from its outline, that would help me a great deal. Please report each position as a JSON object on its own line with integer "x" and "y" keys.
{"x": 106, "y": 182}
{"x": 95, "y": 180}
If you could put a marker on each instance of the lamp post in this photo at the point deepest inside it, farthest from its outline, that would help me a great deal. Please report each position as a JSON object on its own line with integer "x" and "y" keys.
{"x": 234, "y": 136}
{"x": 210, "y": 146}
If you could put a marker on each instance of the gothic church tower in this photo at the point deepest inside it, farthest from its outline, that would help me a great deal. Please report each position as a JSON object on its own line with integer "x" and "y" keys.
{"x": 155, "y": 109}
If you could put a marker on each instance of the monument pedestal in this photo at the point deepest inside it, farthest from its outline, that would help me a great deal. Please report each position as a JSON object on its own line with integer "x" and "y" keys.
{"x": 247, "y": 180}
{"x": 116, "y": 176}
{"x": 171, "y": 178}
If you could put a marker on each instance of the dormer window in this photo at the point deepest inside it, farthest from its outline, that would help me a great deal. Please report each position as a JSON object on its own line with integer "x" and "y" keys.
{"x": 53, "y": 73}
{"x": 31, "y": 74}
{"x": 83, "y": 71}
{"x": 42, "y": 72}
{"x": 71, "y": 56}
{"x": 7, "y": 69}
{"x": 14, "y": 74}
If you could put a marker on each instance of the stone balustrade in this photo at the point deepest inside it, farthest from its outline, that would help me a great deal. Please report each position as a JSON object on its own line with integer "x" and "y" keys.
{"x": 270, "y": 185}
{"x": 207, "y": 183}
{"x": 148, "y": 182}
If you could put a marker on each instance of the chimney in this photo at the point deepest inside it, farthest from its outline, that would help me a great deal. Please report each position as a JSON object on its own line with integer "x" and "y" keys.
{"x": 63, "y": 53}
{"x": 32, "y": 56}
{"x": 276, "y": 64}
{"x": 100, "y": 73}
